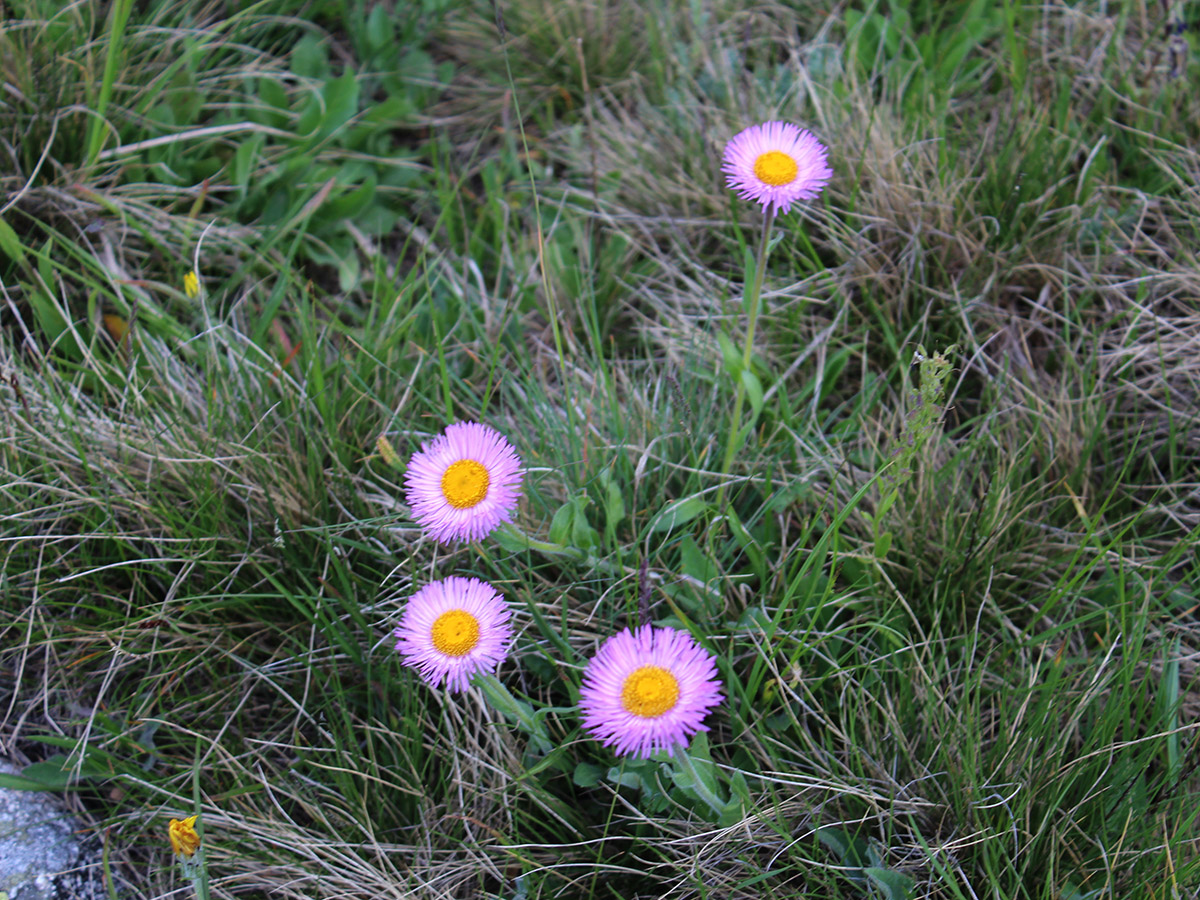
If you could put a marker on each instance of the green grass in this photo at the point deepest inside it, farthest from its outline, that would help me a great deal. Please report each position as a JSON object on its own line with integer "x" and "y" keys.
{"x": 403, "y": 217}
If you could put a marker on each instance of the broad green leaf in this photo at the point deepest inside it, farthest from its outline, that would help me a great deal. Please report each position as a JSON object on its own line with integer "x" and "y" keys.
{"x": 351, "y": 204}
{"x": 380, "y": 30}
{"x": 509, "y": 540}
{"x": 694, "y": 562}
{"x": 20, "y": 783}
{"x": 883, "y": 543}
{"x": 273, "y": 94}
{"x": 341, "y": 102}
{"x": 310, "y": 57}
{"x": 583, "y": 535}
{"x": 894, "y": 885}
{"x": 588, "y": 774}
{"x": 627, "y": 778}
{"x": 58, "y": 773}
{"x": 678, "y": 513}
{"x": 560, "y": 525}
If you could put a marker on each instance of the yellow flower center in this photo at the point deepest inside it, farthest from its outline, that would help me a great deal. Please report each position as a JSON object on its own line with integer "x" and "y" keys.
{"x": 649, "y": 692}
{"x": 776, "y": 168}
{"x": 455, "y": 633}
{"x": 464, "y": 483}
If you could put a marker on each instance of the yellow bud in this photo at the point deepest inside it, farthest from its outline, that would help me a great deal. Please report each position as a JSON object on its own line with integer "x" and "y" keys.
{"x": 184, "y": 840}
{"x": 191, "y": 285}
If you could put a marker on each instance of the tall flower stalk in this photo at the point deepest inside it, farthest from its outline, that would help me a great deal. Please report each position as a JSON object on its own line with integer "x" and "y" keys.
{"x": 775, "y": 165}
{"x": 753, "y": 300}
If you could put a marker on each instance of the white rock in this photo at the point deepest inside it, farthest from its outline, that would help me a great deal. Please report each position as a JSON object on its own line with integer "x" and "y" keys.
{"x": 40, "y": 857}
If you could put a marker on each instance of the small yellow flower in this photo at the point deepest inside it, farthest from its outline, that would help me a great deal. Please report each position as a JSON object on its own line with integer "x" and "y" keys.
{"x": 184, "y": 840}
{"x": 191, "y": 285}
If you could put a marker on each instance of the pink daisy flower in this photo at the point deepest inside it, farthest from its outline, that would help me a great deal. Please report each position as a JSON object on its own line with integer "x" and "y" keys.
{"x": 464, "y": 483}
{"x": 776, "y": 164}
{"x": 454, "y": 629}
{"x": 648, "y": 690}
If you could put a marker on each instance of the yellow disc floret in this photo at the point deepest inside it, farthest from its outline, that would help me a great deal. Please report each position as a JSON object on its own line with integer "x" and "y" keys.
{"x": 455, "y": 633}
{"x": 649, "y": 692}
{"x": 464, "y": 483}
{"x": 775, "y": 168}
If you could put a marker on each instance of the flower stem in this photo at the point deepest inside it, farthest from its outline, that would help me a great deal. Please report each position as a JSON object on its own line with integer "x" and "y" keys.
{"x": 200, "y": 882}
{"x": 735, "y": 421}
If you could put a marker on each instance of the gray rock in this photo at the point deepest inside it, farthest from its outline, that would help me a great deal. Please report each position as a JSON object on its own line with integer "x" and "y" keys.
{"x": 40, "y": 857}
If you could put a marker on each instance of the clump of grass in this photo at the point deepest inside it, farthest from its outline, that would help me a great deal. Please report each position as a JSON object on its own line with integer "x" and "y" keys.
{"x": 564, "y": 51}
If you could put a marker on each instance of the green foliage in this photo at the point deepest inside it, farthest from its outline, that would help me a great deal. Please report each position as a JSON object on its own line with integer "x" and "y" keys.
{"x": 937, "y": 50}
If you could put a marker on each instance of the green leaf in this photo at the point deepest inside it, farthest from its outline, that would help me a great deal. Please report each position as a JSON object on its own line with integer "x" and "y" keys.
{"x": 614, "y": 501}
{"x": 692, "y": 772}
{"x": 754, "y": 391}
{"x": 694, "y": 562}
{"x": 49, "y": 318}
{"x": 310, "y": 58}
{"x": 44, "y": 266}
{"x": 341, "y": 103}
{"x": 738, "y": 788}
{"x": 883, "y": 543}
{"x": 850, "y": 851}
{"x": 384, "y": 116}
{"x": 678, "y": 513}
{"x": 516, "y": 711}
{"x": 49, "y": 776}
{"x": 11, "y": 244}
{"x": 730, "y": 354}
{"x": 705, "y": 775}
{"x": 243, "y": 162}
{"x": 20, "y": 783}
{"x": 510, "y": 541}
{"x": 747, "y": 542}
{"x": 341, "y": 255}
{"x": 895, "y": 885}
{"x": 627, "y": 778}
{"x": 273, "y": 94}
{"x": 380, "y": 30}
{"x": 351, "y": 204}
{"x": 588, "y": 775}
{"x": 743, "y": 435}
{"x": 886, "y": 504}
{"x": 560, "y": 525}
{"x": 583, "y": 535}
{"x": 58, "y": 773}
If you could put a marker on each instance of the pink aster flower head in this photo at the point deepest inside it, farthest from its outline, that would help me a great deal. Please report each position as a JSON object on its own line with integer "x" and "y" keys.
{"x": 454, "y": 629}
{"x": 648, "y": 690}
{"x": 776, "y": 164}
{"x": 464, "y": 483}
